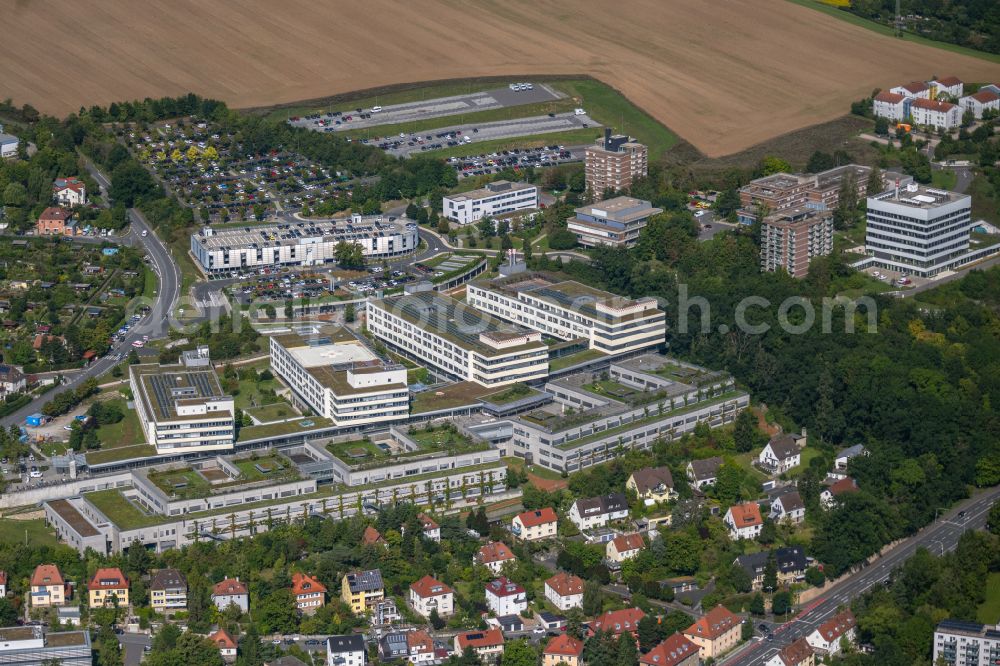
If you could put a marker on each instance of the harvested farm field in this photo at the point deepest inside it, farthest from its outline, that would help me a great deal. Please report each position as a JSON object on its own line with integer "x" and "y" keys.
{"x": 723, "y": 75}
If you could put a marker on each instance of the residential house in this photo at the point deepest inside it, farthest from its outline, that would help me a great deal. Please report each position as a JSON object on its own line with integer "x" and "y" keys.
{"x": 12, "y": 380}
{"x": 309, "y": 593}
{"x": 3, "y": 584}
{"x": 702, "y": 473}
{"x": 55, "y": 222}
{"x": 624, "y": 547}
{"x": 347, "y": 650}
{"x": 618, "y": 622}
{"x": 828, "y": 496}
{"x": 563, "y": 649}
{"x": 428, "y": 594}
{"x": 420, "y": 647}
{"x": 674, "y": 651}
{"x": 505, "y": 597}
{"x": 168, "y": 591}
{"x": 393, "y": 646}
{"x": 652, "y": 484}
{"x": 486, "y": 644}
{"x": 231, "y": 592}
{"x": 913, "y": 90}
{"x": 715, "y": 633}
{"x": 372, "y": 537}
{"x": 744, "y": 521}
{"x": 225, "y": 644}
{"x": 780, "y": 455}
{"x": 980, "y": 102}
{"x": 431, "y": 529}
{"x": 788, "y": 507}
{"x": 890, "y": 105}
{"x": 790, "y": 565}
{"x": 932, "y": 113}
{"x": 361, "y": 590}
{"x": 108, "y": 587}
{"x": 844, "y": 456}
{"x": 826, "y": 637}
{"x": 385, "y": 612}
{"x": 535, "y": 525}
{"x": 564, "y": 591}
{"x": 69, "y": 191}
{"x": 590, "y": 512}
{"x": 47, "y": 587}
{"x": 946, "y": 86}
{"x": 798, "y": 653}
{"x": 493, "y": 555}
{"x": 680, "y": 584}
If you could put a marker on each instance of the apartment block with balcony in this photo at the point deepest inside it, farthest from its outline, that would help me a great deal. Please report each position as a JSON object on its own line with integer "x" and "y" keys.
{"x": 960, "y": 643}
{"x": 789, "y": 240}
{"x": 614, "y": 162}
{"x": 783, "y": 192}
{"x": 569, "y": 310}
{"x": 168, "y": 591}
{"x": 362, "y": 590}
{"x": 459, "y": 342}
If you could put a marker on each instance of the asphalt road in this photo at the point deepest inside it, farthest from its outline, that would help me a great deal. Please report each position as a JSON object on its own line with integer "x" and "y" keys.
{"x": 502, "y": 129}
{"x": 433, "y": 108}
{"x": 133, "y": 645}
{"x": 938, "y": 537}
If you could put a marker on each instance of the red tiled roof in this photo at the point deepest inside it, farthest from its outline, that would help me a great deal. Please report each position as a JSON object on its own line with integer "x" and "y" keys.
{"x": 3, "y": 577}
{"x": 670, "y": 652}
{"x": 306, "y": 584}
{"x": 564, "y": 645}
{"x": 565, "y": 585}
{"x": 429, "y": 587}
{"x": 949, "y": 81}
{"x": 230, "y": 587}
{"x": 55, "y": 213}
{"x": 74, "y": 184}
{"x": 371, "y": 536}
{"x": 419, "y": 641}
{"x": 847, "y": 485}
{"x": 496, "y": 551}
{"x": 890, "y": 97}
{"x": 480, "y": 639}
{"x": 933, "y": 105}
{"x": 503, "y": 587}
{"x": 109, "y": 578}
{"x": 836, "y": 626}
{"x": 46, "y": 574}
{"x": 713, "y": 624}
{"x": 427, "y": 522}
{"x": 915, "y": 86}
{"x": 626, "y": 542}
{"x": 538, "y": 517}
{"x": 985, "y": 96}
{"x": 796, "y": 653}
{"x": 746, "y": 515}
{"x": 619, "y": 621}
{"x": 222, "y": 640}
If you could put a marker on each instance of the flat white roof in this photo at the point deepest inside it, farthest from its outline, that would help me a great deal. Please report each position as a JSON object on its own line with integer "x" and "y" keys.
{"x": 331, "y": 354}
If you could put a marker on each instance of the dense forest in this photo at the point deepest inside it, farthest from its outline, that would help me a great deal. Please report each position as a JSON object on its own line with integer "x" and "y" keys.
{"x": 971, "y": 23}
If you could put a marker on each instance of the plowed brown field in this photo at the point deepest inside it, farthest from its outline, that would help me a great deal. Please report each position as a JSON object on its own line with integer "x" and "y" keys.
{"x": 723, "y": 74}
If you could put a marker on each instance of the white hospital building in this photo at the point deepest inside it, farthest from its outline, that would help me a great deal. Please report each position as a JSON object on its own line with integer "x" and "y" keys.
{"x": 457, "y": 340}
{"x": 305, "y": 243}
{"x": 571, "y": 311}
{"x": 496, "y": 198}
{"x": 338, "y": 377}
{"x": 917, "y": 229}
{"x": 182, "y": 408}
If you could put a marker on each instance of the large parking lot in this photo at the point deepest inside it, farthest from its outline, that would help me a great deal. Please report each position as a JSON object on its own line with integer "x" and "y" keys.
{"x": 518, "y": 158}
{"x": 361, "y": 118}
{"x": 275, "y": 288}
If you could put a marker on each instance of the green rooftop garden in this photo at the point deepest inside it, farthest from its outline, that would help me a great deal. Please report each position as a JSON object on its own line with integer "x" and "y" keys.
{"x": 511, "y": 394}
{"x": 356, "y": 450}
{"x": 184, "y": 483}
{"x": 103, "y": 456}
{"x": 248, "y": 433}
{"x": 569, "y": 360}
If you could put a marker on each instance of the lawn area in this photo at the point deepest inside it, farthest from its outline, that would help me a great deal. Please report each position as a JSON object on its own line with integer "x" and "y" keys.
{"x": 34, "y": 531}
{"x": 943, "y": 179}
{"x": 610, "y": 108}
{"x": 353, "y": 450}
{"x": 490, "y": 115}
{"x": 283, "y": 428}
{"x": 826, "y": 7}
{"x": 181, "y": 482}
{"x": 989, "y": 610}
{"x": 189, "y": 274}
{"x": 274, "y": 466}
{"x": 125, "y": 514}
{"x": 149, "y": 284}
{"x": 985, "y": 202}
{"x": 126, "y": 432}
{"x": 120, "y": 453}
{"x": 572, "y": 359}
{"x": 251, "y": 392}
{"x": 439, "y": 439}
{"x": 539, "y": 471}
{"x": 567, "y": 138}
{"x": 272, "y": 412}
{"x": 808, "y": 453}
{"x": 511, "y": 394}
